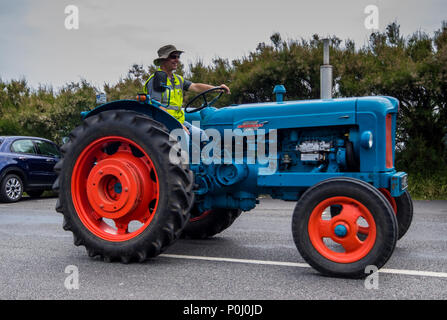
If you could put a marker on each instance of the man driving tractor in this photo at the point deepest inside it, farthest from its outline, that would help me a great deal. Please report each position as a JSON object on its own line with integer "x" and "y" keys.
{"x": 168, "y": 59}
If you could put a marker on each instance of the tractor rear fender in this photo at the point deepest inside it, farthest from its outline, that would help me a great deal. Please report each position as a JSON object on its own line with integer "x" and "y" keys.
{"x": 147, "y": 109}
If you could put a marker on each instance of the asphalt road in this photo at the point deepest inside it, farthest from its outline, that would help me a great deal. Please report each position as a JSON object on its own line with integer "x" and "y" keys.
{"x": 254, "y": 259}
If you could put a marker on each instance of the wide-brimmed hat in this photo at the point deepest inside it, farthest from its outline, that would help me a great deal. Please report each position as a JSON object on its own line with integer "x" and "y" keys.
{"x": 164, "y": 52}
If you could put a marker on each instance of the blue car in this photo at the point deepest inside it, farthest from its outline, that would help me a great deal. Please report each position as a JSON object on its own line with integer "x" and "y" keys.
{"x": 26, "y": 165}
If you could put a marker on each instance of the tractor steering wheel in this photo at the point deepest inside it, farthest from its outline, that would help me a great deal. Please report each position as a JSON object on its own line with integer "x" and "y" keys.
{"x": 205, "y": 101}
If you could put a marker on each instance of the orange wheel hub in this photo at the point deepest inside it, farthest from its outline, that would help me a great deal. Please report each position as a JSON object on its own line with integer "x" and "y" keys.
{"x": 102, "y": 184}
{"x": 342, "y": 229}
{"x": 114, "y": 183}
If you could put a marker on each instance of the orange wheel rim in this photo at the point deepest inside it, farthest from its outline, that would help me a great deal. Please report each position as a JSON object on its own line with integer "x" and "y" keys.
{"x": 342, "y": 230}
{"x": 115, "y": 188}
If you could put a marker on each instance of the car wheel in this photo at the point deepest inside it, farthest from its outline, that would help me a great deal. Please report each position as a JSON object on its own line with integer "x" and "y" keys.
{"x": 11, "y": 188}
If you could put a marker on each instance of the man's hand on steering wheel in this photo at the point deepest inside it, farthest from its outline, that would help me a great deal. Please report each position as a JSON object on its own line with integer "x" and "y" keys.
{"x": 223, "y": 88}
{"x": 227, "y": 90}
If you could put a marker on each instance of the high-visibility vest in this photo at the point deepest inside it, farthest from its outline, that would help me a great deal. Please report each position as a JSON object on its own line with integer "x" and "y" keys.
{"x": 176, "y": 98}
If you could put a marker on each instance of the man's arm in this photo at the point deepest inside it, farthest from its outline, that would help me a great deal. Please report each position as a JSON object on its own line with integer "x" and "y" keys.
{"x": 200, "y": 87}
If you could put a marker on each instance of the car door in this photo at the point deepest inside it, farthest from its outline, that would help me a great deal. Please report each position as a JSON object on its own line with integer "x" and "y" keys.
{"x": 50, "y": 154}
{"x": 26, "y": 157}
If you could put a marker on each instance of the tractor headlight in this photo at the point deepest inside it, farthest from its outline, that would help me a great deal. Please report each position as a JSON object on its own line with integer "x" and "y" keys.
{"x": 366, "y": 140}
{"x": 398, "y": 183}
{"x": 404, "y": 182}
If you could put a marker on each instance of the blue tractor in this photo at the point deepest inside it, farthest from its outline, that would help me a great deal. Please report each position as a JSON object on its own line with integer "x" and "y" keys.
{"x": 128, "y": 188}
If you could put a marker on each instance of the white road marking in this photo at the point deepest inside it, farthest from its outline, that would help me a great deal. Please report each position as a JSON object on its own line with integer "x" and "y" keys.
{"x": 302, "y": 265}
{"x": 415, "y": 273}
{"x": 274, "y": 263}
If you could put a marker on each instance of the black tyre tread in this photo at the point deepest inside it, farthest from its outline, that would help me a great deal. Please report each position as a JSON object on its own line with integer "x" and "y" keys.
{"x": 325, "y": 266}
{"x": 215, "y": 222}
{"x": 179, "y": 186}
{"x": 404, "y": 213}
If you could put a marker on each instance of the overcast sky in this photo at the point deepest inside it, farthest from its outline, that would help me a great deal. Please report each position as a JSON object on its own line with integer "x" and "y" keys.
{"x": 114, "y": 34}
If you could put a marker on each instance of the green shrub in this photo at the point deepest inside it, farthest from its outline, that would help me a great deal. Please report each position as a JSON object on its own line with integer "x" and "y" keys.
{"x": 412, "y": 69}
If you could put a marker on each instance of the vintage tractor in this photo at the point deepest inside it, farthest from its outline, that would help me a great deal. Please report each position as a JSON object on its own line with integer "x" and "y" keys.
{"x": 127, "y": 192}
{"x": 128, "y": 188}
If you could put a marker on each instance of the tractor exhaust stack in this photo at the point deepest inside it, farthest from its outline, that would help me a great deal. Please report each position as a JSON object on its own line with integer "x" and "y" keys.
{"x": 326, "y": 73}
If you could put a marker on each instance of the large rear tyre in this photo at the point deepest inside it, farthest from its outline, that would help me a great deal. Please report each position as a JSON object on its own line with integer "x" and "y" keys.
{"x": 364, "y": 233}
{"x": 209, "y": 223}
{"x": 120, "y": 193}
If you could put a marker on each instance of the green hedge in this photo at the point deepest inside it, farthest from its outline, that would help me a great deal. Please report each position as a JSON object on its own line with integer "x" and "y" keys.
{"x": 413, "y": 69}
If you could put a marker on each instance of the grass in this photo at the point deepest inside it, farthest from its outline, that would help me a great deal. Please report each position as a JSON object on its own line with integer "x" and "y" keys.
{"x": 433, "y": 187}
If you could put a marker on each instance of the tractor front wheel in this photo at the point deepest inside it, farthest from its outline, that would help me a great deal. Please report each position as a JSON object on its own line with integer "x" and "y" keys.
{"x": 362, "y": 234}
